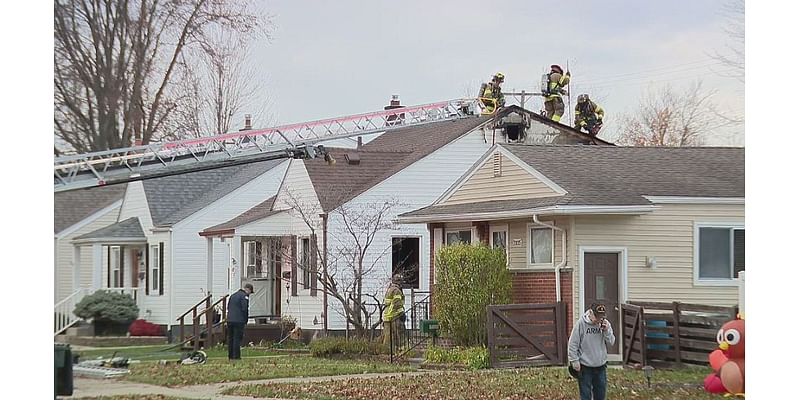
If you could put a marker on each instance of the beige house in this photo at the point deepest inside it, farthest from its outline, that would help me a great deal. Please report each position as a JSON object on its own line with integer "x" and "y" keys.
{"x": 611, "y": 224}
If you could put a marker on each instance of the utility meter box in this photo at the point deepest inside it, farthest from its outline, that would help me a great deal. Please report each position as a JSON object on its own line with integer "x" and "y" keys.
{"x": 429, "y": 326}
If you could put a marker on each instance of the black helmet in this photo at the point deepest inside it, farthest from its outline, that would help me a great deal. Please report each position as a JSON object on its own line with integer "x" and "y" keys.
{"x": 583, "y": 98}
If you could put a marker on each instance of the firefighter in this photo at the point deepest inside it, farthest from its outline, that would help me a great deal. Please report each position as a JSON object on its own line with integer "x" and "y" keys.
{"x": 491, "y": 95}
{"x": 393, "y": 313}
{"x": 588, "y": 115}
{"x": 552, "y": 90}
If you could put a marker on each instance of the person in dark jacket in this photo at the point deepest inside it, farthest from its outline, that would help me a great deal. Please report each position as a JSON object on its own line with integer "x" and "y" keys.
{"x": 238, "y": 313}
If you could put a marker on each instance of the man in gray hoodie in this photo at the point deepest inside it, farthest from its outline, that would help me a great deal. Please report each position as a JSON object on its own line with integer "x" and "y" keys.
{"x": 588, "y": 353}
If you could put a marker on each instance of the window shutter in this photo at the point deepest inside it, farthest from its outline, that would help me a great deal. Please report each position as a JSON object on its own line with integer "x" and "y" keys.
{"x": 294, "y": 265}
{"x": 146, "y": 269}
{"x": 108, "y": 265}
{"x": 160, "y": 268}
{"x": 121, "y": 266}
{"x": 313, "y": 260}
{"x": 259, "y": 270}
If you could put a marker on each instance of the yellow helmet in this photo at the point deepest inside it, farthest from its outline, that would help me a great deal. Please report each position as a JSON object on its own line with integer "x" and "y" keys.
{"x": 499, "y": 76}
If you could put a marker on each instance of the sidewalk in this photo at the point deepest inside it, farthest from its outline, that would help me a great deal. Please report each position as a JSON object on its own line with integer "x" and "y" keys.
{"x": 86, "y": 387}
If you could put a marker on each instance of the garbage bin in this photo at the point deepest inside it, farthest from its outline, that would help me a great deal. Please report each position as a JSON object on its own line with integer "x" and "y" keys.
{"x": 657, "y": 335}
{"x": 63, "y": 370}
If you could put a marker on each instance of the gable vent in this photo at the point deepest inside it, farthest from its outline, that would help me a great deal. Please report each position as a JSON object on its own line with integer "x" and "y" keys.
{"x": 498, "y": 164}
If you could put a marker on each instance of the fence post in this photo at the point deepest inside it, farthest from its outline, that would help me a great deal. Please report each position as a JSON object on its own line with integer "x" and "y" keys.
{"x": 676, "y": 329}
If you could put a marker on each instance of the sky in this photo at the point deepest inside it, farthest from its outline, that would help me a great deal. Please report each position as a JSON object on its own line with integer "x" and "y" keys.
{"x": 334, "y": 58}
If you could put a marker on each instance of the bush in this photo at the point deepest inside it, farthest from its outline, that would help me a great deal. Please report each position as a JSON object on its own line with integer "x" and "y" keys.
{"x": 107, "y": 306}
{"x": 141, "y": 327}
{"x": 327, "y": 347}
{"x": 469, "y": 278}
{"x": 471, "y": 357}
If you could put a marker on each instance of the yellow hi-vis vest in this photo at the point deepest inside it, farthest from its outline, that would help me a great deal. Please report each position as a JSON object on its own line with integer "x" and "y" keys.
{"x": 393, "y": 300}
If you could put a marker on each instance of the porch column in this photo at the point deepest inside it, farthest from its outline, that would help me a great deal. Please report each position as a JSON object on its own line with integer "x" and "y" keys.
{"x": 97, "y": 266}
{"x": 209, "y": 264}
{"x": 236, "y": 263}
{"x": 76, "y": 267}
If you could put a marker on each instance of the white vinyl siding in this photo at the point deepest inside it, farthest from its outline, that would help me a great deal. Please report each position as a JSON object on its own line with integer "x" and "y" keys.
{"x": 495, "y": 181}
{"x": 666, "y": 235}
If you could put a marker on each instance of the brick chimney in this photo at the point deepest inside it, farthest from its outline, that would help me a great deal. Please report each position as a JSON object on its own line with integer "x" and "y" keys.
{"x": 248, "y": 123}
{"x": 394, "y": 119}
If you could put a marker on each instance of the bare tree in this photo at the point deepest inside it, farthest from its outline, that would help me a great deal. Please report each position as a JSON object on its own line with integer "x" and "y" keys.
{"x": 733, "y": 56}
{"x": 350, "y": 262}
{"x": 668, "y": 118}
{"x": 116, "y": 63}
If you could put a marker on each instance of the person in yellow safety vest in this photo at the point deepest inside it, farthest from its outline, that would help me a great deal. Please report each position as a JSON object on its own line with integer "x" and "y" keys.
{"x": 491, "y": 94}
{"x": 588, "y": 115}
{"x": 393, "y": 313}
{"x": 557, "y": 80}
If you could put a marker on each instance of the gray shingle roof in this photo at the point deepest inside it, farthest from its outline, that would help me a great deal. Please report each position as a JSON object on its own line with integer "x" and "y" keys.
{"x": 619, "y": 176}
{"x": 381, "y": 158}
{"x": 72, "y": 206}
{"x": 262, "y": 210}
{"x": 484, "y": 207}
{"x": 606, "y": 175}
{"x": 130, "y": 228}
{"x": 173, "y": 198}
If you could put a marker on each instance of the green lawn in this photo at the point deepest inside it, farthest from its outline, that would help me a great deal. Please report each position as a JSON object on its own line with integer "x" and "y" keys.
{"x": 535, "y": 383}
{"x": 158, "y": 352}
{"x": 221, "y": 370}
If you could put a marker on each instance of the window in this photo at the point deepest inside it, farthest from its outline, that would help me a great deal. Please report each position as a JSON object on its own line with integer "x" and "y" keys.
{"x": 114, "y": 261}
{"x": 541, "y": 246}
{"x": 305, "y": 261}
{"x": 500, "y": 238}
{"x": 455, "y": 237}
{"x": 252, "y": 259}
{"x": 719, "y": 252}
{"x": 405, "y": 260}
{"x": 155, "y": 269}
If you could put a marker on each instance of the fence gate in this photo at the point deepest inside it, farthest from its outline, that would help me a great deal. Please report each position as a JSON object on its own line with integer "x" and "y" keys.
{"x": 523, "y": 335}
{"x": 634, "y": 348}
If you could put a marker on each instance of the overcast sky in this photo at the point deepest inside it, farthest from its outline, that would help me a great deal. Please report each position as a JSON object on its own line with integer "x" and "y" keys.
{"x": 333, "y": 58}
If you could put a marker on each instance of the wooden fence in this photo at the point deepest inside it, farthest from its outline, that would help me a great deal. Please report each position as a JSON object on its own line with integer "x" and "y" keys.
{"x": 522, "y": 335}
{"x": 673, "y": 333}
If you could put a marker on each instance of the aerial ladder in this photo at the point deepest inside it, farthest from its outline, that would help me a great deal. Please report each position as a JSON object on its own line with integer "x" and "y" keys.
{"x": 301, "y": 141}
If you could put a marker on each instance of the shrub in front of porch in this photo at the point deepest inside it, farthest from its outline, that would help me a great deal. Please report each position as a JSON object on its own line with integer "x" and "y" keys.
{"x": 111, "y": 313}
{"x": 469, "y": 278}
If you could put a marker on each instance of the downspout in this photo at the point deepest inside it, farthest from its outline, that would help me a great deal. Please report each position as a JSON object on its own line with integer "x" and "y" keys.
{"x": 563, "y": 253}
{"x": 324, "y": 271}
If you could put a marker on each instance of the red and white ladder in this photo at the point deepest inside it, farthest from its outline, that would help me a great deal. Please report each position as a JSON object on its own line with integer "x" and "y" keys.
{"x": 287, "y": 141}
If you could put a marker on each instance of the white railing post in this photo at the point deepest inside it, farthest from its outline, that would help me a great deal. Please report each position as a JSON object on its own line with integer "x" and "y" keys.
{"x": 741, "y": 292}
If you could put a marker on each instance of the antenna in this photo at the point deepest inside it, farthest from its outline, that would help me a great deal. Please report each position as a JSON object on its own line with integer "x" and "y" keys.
{"x": 569, "y": 99}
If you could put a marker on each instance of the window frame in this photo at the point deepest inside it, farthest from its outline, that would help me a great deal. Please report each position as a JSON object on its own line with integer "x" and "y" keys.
{"x": 731, "y": 226}
{"x": 419, "y": 259}
{"x": 472, "y": 234}
{"x": 115, "y": 269}
{"x": 501, "y": 228}
{"x": 528, "y": 257}
{"x": 248, "y": 254}
{"x": 155, "y": 270}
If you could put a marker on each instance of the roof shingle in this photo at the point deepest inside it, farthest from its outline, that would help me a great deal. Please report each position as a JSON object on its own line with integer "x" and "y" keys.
{"x": 72, "y": 206}
{"x": 130, "y": 228}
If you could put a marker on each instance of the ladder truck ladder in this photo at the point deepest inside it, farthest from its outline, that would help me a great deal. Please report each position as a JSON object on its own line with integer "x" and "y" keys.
{"x": 299, "y": 140}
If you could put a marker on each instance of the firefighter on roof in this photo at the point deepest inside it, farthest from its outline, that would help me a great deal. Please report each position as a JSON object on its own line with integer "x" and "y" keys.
{"x": 491, "y": 94}
{"x": 588, "y": 115}
{"x": 553, "y": 84}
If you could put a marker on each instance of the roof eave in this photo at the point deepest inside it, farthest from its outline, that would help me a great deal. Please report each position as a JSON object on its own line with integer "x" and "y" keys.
{"x": 218, "y": 232}
{"x": 111, "y": 240}
{"x": 512, "y": 214}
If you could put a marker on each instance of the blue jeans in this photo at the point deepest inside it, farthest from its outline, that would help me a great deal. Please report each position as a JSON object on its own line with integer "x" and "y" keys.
{"x": 235, "y": 335}
{"x": 592, "y": 382}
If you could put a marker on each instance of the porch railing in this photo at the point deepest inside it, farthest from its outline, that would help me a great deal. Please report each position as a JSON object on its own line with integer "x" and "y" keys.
{"x": 64, "y": 318}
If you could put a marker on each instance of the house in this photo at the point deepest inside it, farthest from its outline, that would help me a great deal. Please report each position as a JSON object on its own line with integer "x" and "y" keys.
{"x": 151, "y": 250}
{"x": 78, "y": 212}
{"x": 406, "y": 168}
{"x": 609, "y": 224}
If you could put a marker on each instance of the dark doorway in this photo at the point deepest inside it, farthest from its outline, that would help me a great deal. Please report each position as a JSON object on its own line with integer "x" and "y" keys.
{"x": 601, "y": 284}
{"x": 405, "y": 260}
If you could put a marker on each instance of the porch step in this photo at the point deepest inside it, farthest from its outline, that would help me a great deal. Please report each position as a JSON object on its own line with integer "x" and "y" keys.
{"x": 80, "y": 330}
